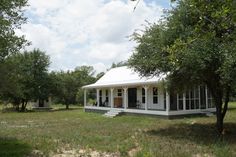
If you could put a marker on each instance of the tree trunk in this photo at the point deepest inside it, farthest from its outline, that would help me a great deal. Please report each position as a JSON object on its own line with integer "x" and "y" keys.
{"x": 221, "y": 109}
{"x": 23, "y": 105}
{"x": 67, "y": 106}
{"x": 26, "y": 104}
{"x": 219, "y": 119}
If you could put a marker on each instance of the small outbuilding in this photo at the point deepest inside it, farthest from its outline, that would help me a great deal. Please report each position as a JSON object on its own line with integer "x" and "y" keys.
{"x": 123, "y": 90}
{"x": 42, "y": 104}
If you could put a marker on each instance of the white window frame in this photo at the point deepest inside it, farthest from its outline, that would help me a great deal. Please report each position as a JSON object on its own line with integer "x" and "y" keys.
{"x": 119, "y": 93}
{"x": 156, "y": 95}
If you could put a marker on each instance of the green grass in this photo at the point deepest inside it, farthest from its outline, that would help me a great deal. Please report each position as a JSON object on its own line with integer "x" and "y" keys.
{"x": 49, "y": 132}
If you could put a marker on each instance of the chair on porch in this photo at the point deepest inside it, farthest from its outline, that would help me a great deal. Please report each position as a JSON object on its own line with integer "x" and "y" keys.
{"x": 104, "y": 104}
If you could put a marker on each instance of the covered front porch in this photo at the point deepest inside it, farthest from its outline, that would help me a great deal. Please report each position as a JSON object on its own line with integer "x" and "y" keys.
{"x": 151, "y": 99}
{"x": 144, "y": 99}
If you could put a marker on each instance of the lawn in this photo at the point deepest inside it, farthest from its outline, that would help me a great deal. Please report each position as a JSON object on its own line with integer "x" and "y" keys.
{"x": 76, "y": 132}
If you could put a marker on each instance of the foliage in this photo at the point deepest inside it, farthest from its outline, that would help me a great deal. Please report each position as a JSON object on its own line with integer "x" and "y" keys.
{"x": 99, "y": 75}
{"x": 119, "y": 64}
{"x": 67, "y": 84}
{"x": 27, "y": 78}
{"x": 194, "y": 44}
{"x": 11, "y": 18}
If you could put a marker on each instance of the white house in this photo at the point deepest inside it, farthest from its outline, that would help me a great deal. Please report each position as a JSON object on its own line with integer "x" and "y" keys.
{"x": 41, "y": 104}
{"x": 123, "y": 90}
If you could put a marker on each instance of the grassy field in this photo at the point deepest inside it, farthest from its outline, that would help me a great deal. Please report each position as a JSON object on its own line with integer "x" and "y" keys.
{"x": 76, "y": 132}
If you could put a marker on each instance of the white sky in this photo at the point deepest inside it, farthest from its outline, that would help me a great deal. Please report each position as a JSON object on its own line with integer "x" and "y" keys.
{"x": 87, "y": 32}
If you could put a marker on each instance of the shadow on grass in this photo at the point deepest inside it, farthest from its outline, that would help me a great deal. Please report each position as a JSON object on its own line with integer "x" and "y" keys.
{"x": 10, "y": 147}
{"x": 197, "y": 133}
{"x": 232, "y": 108}
{"x": 64, "y": 109}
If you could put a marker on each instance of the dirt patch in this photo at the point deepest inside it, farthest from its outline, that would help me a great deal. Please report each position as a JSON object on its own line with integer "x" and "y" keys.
{"x": 36, "y": 153}
{"x": 84, "y": 153}
{"x": 134, "y": 151}
{"x": 203, "y": 155}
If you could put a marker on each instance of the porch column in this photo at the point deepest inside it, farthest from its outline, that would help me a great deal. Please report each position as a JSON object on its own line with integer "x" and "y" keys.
{"x": 125, "y": 97}
{"x": 184, "y": 100}
{"x": 146, "y": 97}
{"x": 199, "y": 94}
{"x": 167, "y": 102}
{"x": 85, "y": 98}
{"x": 112, "y": 98}
{"x": 98, "y": 102}
{"x": 206, "y": 91}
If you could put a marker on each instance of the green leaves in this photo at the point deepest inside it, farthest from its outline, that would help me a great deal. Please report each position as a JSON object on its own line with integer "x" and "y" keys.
{"x": 194, "y": 43}
{"x": 11, "y": 18}
{"x": 67, "y": 84}
{"x": 26, "y": 76}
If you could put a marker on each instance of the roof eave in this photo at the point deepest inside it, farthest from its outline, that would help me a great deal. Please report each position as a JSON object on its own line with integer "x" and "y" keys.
{"x": 92, "y": 86}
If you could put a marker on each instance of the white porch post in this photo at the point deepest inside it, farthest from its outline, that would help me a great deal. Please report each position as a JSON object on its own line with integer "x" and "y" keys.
{"x": 206, "y": 97}
{"x": 167, "y": 102}
{"x": 177, "y": 101}
{"x": 125, "y": 97}
{"x": 199, "y": 94}
{"x": 146, "y": 97}
{"x": 184, "y": 100}
{"x": 98, "y": 102}
{"x": 85, "y": 98}
{"x": 112, "y": 98}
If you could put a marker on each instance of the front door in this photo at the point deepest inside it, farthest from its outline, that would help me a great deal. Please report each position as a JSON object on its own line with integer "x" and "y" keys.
{"x": 132, "y": 97}
{"x": 41, "y": 103}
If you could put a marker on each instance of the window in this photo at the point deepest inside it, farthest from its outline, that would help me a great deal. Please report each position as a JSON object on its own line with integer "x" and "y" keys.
{"x": 107, "y": 99}
{"x": 187, "y": 100}
{"x": 180, "y": 101}
{"x": 143, "y": 95}
{"x": 192, "y": 99}
{"x": 210, "y": 99}
{"x": 100, "y": 97}
{"x": 119, "y": 92}
{"x": 197, "y": 97}
{"x": 155, "y": 95}
{"x": 203, "y": 97}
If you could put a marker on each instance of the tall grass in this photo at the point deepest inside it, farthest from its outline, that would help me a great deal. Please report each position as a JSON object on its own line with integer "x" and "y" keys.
{"x": 50, "y": 132}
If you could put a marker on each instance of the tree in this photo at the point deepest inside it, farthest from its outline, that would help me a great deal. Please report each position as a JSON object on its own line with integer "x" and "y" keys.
{"x": 67, "y": 84}
{"x": 193, "y": 44}
{"x": 27, "y": 78}
{"x": 119, "y": 64}
{"x": 85, "y": 74}
{"x": 11, "y": 18}
{"x": 99, "y": 75}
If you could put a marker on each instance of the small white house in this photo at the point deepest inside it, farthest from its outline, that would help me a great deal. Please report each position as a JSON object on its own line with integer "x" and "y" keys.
{"x": 122, "y": 89}
{"x": 41, "y": 104}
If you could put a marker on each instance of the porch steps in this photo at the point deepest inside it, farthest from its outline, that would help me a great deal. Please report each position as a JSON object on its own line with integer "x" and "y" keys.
{"x": 112, "y": 113}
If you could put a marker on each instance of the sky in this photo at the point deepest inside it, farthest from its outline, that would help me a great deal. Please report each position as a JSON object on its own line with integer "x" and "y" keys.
{"x": 87, "y": 32}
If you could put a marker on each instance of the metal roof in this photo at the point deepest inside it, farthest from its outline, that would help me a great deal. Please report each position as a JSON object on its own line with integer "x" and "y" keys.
{"x": 123, "y": 76}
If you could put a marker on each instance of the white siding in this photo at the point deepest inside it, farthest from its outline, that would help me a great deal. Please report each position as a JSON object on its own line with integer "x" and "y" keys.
{"x": 160, "y": 105}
